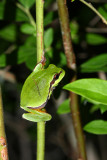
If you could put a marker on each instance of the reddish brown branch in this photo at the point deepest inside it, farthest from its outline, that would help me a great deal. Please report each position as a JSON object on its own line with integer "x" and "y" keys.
{"x": 66, "y": 34}
{"x": 3, "y": 145}
{"x": 71, "y": 62}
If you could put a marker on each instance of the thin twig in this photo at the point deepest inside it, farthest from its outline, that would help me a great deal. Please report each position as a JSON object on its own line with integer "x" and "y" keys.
{"x": 27, "y": 12}
{"x": 96, "y": 30}
{"x": 71, "y": 61}
{"x": 98, "y": 1}
{"x": 92, "y": 8}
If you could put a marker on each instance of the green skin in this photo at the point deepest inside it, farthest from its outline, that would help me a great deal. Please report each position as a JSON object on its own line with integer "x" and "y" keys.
{"x": 38, "y": 87}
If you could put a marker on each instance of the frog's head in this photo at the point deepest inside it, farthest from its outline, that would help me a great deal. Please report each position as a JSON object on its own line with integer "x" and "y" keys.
{"x": 56, "y": 74}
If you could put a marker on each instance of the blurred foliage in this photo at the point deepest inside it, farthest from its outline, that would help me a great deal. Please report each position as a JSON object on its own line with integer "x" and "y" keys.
{"x": 18, "y": 58}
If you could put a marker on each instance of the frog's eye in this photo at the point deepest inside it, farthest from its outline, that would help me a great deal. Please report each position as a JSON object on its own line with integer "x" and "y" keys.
{"x": 56, "y": 76}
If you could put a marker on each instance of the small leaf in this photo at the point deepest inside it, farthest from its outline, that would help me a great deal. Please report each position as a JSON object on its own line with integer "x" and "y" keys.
{"x": 64, "y": 107}
{"x": 96, "y": 127}
{"x": 62, "y": 59}
{"x": 103, "y": 108}
{"x": 2, "y": 9}
{"x": 31, "y": 62}
{"x": 98, "y": 63}
{"x": 2, "y": 60}
{"x": 93, "y": 89}
{"x": 21, "y": 16}
{"x": 28, "y": 28}
{"x": 48, "y": 18}
{"x": 95, "y": 39}
{"x": 27, "y": 3}
{"x": 103, "y": 10}
{"x": 74, "y": 32}
{"x": 24, "y": 53}
{"x": 8, "y": 33}
{"x": 48, "y": 37}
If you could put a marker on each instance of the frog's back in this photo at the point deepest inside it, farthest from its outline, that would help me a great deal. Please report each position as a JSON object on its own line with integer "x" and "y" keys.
{"x": 35, "y": 90}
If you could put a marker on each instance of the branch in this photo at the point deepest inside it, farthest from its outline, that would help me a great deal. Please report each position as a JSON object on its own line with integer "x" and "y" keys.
{"x": 27, "y": 12}
{"x": 92, "y": 8}
{"x": 71, "y": 61}
{"x": 40, "y": 55}
{"x": 3, "y": 144}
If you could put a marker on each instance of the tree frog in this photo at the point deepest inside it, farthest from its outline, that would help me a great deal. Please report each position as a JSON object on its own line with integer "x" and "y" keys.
{"x": 37, "y": 90}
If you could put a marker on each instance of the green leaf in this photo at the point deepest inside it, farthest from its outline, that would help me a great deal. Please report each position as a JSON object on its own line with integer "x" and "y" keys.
{"x": 31, "y": 61}
{"x": 74, "y": 32}
{"x": 28, "y": 28}
{"x": 24, "y": 53}
{"x": 103, "y": 10}
{"x": 98, "y": 63}
{"x": 103, "y": 108}
{"x": 48, "y": 18}
{"x": 95, "y": 39}
{"x": 8, "y": 11}
{"x": 63, "y": 61}
{"x": 8, "y": 33}
{"x": 64, "y": 107}
{"x": 47, "y": 3}
{"x": 96, "y": 127}
{"x": 21, "y": 16}
{"x": 31, "y": 41}
{"x": 27, "y": 3}
{"x": 2, "y": 60}
{"x": 48, "y": 37}
{"x": 93, "y": 89}
{"x": 2, "y": 8}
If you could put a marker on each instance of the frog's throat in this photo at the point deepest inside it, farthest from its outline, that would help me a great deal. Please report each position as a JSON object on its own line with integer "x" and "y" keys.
{"x": 39, "y": 107}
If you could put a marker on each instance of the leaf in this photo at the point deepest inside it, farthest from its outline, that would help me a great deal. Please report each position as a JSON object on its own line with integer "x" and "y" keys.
{"x": 93, "y": 89}
{"x": 62, "y": 59}
{"x": 74, "y": 32}
{"x": 21, "y": 16}
{"x": 103, "y": 10}
{"x": 48, "y": 37}
{"x": 31, "y": 41}
{"x": 96, "y": 127}
{"x": 2, "y": 60}
{"x": 24, "y": 53}
{"x": 47, "y": 3}
{"x": 98, "y": 63}
{"x": 2, "y": 8}
{"x": 8, "y": 33}
{"x": 27, "y": 3}
{"x": 64, "y": 107}
{"x": 9, "y": 12}
{"x": 28, "y": 28}
{"x": 95, "y": 39}
{"x": 31, "y": 62}
{"x": 103, "y": 108}
{"x": 48, "y": 18}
